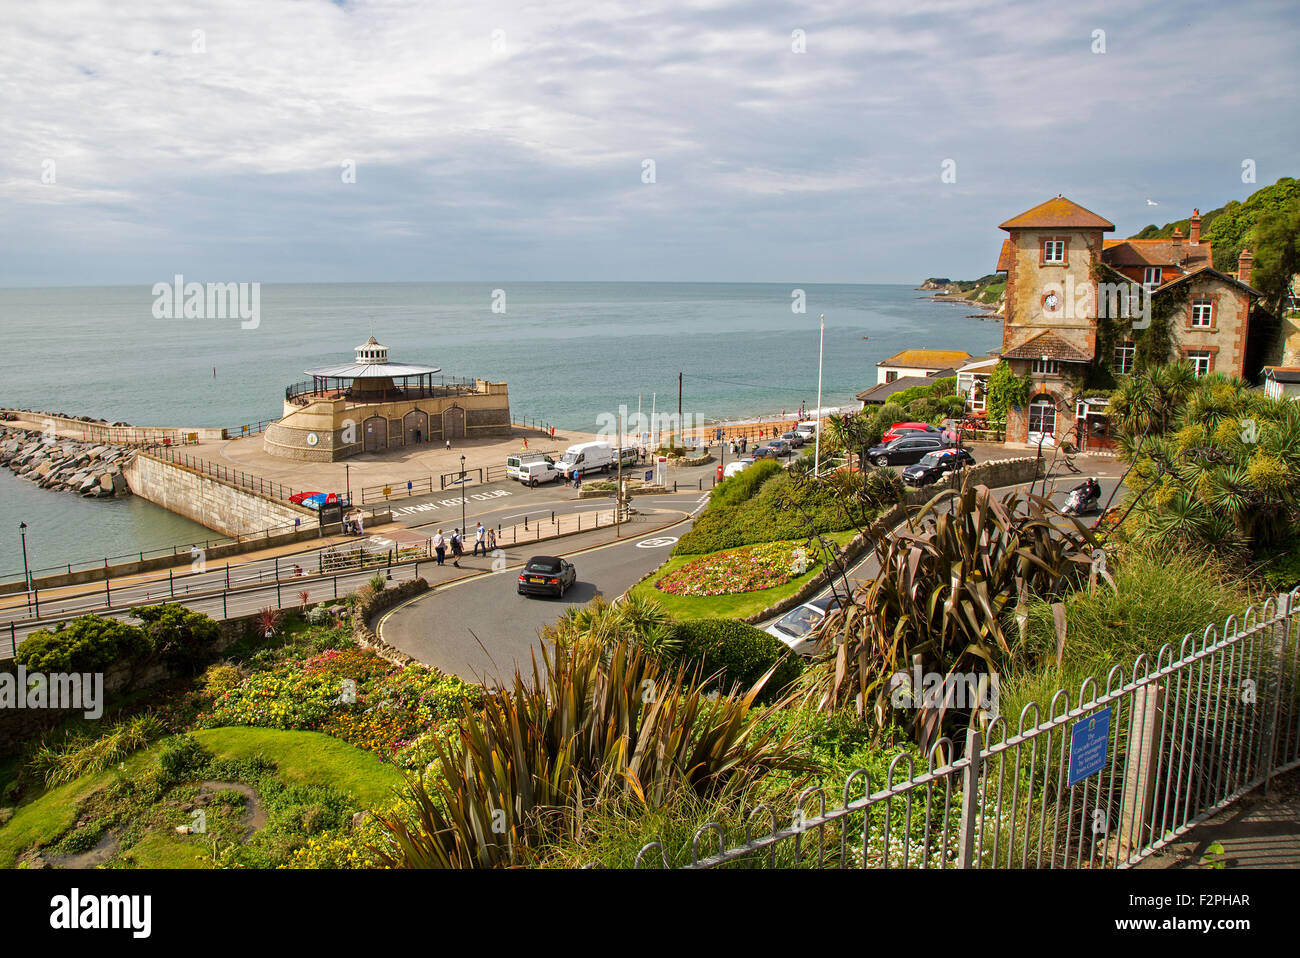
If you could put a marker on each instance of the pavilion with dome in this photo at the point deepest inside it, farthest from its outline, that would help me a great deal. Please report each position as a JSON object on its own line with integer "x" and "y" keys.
{"x": 371, "y": 405}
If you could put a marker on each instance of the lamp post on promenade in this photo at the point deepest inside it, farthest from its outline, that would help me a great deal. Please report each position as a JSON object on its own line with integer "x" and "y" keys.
{"x": 27, "y": 576}
{"x": 817, "y": 448}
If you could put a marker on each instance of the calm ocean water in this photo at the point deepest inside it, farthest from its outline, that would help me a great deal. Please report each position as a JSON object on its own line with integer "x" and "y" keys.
{"x": 569, "y": 351}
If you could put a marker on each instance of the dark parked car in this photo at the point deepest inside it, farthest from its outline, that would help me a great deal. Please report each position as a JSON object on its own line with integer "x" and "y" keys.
{"x": 793, "y": 438}
{"x": 546, "y": 575}
{"x": 907, "y": 449}
{"x": 935, "y": 465}
{"x": 762, "y": 452}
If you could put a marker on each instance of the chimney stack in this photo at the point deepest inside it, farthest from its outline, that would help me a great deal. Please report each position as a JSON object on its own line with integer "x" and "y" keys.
{"x": 1177, "y": 244}
{"x": 1245, "y": 262}
{"x": 1194, "y": 228}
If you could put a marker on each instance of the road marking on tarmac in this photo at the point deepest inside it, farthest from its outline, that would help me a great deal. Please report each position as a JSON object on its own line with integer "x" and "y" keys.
{"x": 658, "y": 542}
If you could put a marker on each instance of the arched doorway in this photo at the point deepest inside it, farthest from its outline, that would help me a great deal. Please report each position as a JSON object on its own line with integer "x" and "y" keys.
{"x": 375, "y": 437}
{"x": 453, "y": 423}
{"x": 1042, "y": 421}
{"x": 416, "y": 427}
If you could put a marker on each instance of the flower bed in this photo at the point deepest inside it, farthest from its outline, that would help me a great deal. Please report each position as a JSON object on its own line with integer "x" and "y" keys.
{"x": 750, "y": 569}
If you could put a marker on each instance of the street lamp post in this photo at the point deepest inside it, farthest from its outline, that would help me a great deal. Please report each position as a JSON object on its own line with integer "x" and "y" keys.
{"x": 462, "y": 498}
{"x": 817, "y": 448}
{"x": 27, "y": 575}
{"x": 347, "y": 482}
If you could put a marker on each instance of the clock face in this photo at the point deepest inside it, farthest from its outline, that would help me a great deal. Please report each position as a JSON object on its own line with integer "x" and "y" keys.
{"x": 312, "y": 439}
{"x": 1051, "y": 301}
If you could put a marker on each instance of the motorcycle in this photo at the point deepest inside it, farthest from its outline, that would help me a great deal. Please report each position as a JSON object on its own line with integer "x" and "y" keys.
{"x": 1076, "y": 505}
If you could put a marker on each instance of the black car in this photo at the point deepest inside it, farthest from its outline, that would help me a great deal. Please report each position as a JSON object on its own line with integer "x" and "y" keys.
{"x": 908, "y": 449}
{"x": 546, "y": 575}
{"x": 762, "y": 452}
{"x": 935, "y": 465}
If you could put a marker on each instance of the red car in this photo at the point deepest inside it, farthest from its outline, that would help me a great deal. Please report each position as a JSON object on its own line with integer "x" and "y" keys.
{"x": 899, "y": 428}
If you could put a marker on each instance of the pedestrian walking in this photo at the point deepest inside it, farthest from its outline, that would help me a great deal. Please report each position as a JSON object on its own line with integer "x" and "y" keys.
{"x": 577, "y": 480}
{"x": 440, "y": 546}
{"x": 449, "y": 445}
{"x": 492, "y": 539}
{"x": 457, "y": 548}
{"x": 480, "y": 538}
{"x": 525, "y": 443}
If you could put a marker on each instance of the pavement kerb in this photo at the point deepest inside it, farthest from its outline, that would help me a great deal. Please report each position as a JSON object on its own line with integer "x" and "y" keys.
{"x": 477, "y": 573}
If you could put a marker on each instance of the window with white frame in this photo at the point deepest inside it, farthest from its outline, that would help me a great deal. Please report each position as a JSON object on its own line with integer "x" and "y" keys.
{"x": 1202, "y": 312}
{"x": 1046, "y": 367}
{"x": 1054, "y": 251}
{"x": 1124, "y": 355}
{"x": 1201, "y": 361}
{"x": 1042, "y": 417}
{"x": 1151, "y": 277}
{"x": 979, "y": 387}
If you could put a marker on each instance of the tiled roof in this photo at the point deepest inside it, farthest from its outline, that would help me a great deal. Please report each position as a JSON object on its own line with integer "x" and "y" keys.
{"x": 926, "y": 358}
{"x": 882, "y": 391}
{"x": 1211, "y": 271}
{"x": 1155, "y": 252}
{"x": 1047, "y": 344}
{"x": 1004, "y": 258}
{"x": 1058, "y": 212}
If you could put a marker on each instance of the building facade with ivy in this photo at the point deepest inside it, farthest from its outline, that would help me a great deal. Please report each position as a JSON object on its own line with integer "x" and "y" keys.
{"x": 1083, "y": 310}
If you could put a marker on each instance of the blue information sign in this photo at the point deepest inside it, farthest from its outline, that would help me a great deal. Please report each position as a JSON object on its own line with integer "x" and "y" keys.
{"x": 649, "y": 475}
{"x": 1089, "y": 739}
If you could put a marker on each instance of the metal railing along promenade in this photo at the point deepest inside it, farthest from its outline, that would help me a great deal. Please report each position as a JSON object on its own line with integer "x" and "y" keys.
{"x": 1184, "y": 736}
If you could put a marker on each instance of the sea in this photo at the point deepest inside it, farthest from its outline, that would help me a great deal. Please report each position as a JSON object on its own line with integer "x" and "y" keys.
{"x": 570, "y": 352}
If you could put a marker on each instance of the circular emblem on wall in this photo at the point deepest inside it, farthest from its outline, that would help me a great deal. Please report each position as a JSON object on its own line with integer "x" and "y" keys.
{"x": 312, "y": 439}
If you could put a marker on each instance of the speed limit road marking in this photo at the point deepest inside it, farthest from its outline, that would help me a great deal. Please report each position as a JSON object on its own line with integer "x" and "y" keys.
{"x": 658, "y": 542}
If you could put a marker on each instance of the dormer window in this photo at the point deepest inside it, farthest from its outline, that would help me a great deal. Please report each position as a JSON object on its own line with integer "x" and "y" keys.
{"x": 1054, "y": 251}
{"x": 1151, "y": 277}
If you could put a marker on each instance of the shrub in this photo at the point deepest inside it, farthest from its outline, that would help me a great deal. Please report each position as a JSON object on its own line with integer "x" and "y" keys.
{"x": 181, "y": 636}
{"x": 181, "y": 758}
{"x": 221, "y": 678}
{"x": 740, "y": 653}
{"x": 78, "y": 755}
{"x": 741, "y": 487}
{"x": 86, "y": 644}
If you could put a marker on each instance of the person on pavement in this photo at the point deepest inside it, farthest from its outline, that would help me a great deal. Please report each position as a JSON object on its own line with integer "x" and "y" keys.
{"x": 457, "y": 548}
{"x": 480, "y": 538}
{"x": 440, "y": 546}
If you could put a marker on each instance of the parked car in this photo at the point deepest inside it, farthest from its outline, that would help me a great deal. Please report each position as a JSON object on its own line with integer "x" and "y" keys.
{"x": 547, "y": 575}
{"x": 935, "y": 465}
{"x": 780, "y": 447}
{"x": 628, "y": 455}
{"x": 739, "y": 465}
{"x": 907, "y": 449}
{"x": 798, "y": 627}
{"x": 899, "y": 428}
{"x": 535, "y": 473}
{"x": 807, "y": 429}
{"x": 793, "y": 438}
{"x": 763, "y": 451}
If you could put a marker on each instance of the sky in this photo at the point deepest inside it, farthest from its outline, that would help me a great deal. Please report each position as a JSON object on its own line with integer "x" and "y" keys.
{"x": 856, "y": 142}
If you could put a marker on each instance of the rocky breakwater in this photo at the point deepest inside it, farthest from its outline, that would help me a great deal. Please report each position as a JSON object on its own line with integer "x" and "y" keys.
{"x": 94, "y": 471}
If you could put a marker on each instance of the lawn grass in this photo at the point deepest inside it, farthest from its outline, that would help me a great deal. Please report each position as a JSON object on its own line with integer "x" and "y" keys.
{"x": 157, "y": 850}
{"x": 739, "y": 605}
{"x": 311, "y": 758}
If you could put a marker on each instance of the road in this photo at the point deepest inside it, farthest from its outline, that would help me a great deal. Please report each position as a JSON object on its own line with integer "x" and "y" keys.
{"x": 481, "y": 628}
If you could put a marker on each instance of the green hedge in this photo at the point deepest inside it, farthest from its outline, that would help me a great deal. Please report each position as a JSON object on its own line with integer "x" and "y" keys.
{"x": 767, "y": 517}
{"x": 87, "y": 644}
{"x": 736, "y": 489}
{"x": 741, "y": 654}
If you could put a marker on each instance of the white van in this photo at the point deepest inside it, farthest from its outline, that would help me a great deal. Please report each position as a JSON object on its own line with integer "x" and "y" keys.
{"x": 516, "y": 464}
{"x": 586, "y": 458}
{"x": 535, "y": 473}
